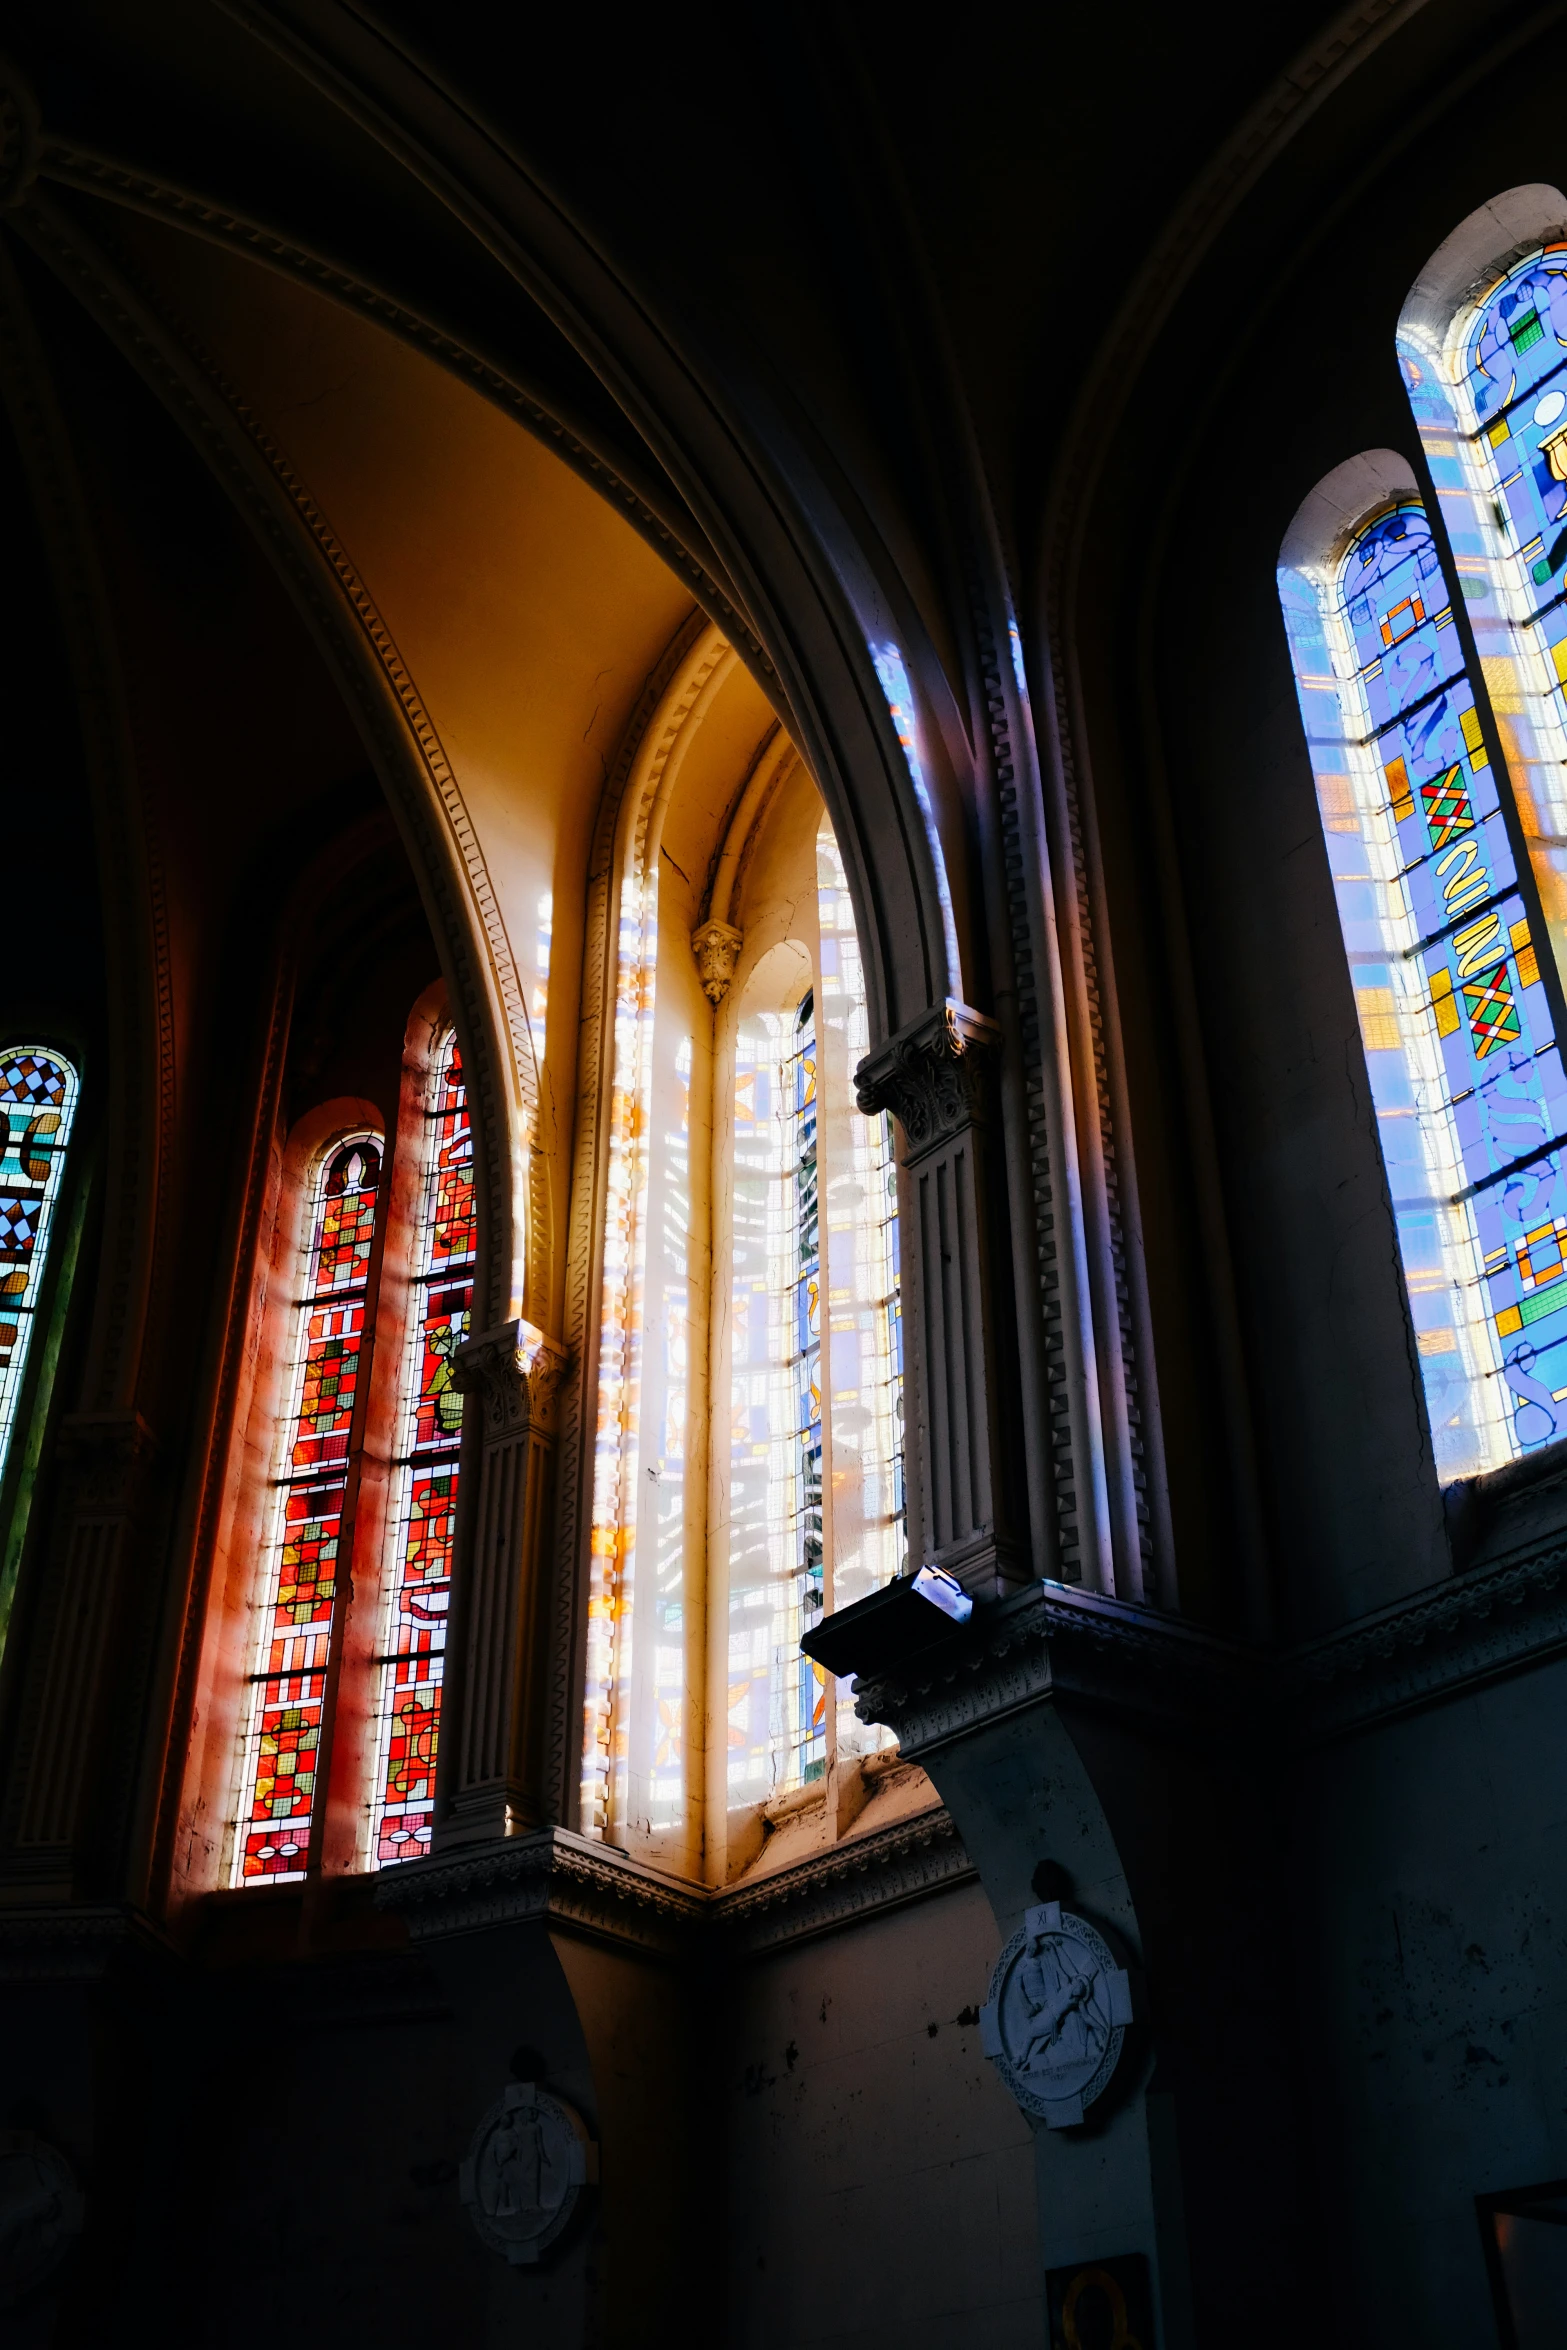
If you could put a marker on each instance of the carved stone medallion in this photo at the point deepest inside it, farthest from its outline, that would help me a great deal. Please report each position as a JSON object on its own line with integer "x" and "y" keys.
{"x": 1057, "y": 2015}
{"x": 529, "y": 2162}
{"x": 40, "y": 2213}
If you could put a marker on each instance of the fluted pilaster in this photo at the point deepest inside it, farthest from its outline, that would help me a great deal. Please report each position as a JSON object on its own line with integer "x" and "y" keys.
{"x": 937, "y": 1077}
{"x": 490, "y": 1782}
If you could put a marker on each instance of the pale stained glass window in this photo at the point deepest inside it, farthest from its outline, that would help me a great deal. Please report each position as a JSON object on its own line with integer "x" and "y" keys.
{"x": 776, "y": 1699}
{"x": 799, "y": 1506}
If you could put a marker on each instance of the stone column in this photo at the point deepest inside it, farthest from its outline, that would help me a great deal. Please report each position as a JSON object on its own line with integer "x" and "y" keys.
{"x": 490, "y": 1762}
{"x": 937, "y": 1078}
{"x": 102, "y": 1459}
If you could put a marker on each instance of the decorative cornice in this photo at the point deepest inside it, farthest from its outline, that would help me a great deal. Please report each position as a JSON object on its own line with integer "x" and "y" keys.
{"x": 931, "y": 1075}
{"x": 79, "y": 1944}
{"x": 1495, "y": 1619}
{"x": 552, "y": 1875}
{"x": 585, "y": 1888}
{"x": 852, "y": 1879}
{"x": 1050, "y": 1642}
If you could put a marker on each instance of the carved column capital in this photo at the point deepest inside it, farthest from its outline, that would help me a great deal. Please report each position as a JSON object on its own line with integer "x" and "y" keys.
{"x": 931, "y": 1075}
{"x": 716, "y": 946}
{"x": 517, "y": 1372}
{"x": 103, "y": 1458}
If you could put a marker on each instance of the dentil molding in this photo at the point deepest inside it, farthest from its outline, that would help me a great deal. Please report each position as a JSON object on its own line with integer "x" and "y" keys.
{"x": 588, "y": 1888}
{"x": 1049, "y": 1641}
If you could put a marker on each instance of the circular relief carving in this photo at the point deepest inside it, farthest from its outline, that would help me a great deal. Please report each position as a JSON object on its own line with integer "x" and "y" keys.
{"x": 1057, "y": 2015}
{"x": 529, "y": 2162}
{"x": 40, "y": 2213}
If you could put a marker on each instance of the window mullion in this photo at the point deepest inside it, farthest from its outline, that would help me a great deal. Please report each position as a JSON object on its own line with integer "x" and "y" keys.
{"x": 1528, "y": 883}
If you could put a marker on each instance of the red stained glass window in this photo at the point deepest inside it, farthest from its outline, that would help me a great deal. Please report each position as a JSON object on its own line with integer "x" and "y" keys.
{"x": 424, "y": 1513}
{"x": 279, "y": 1783}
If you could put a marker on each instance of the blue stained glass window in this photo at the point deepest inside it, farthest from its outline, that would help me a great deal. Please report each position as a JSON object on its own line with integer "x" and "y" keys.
{"x": 1461, "y": 1049}
{"x": 1490, "y": 398}
{"x": 37, "y": 1105}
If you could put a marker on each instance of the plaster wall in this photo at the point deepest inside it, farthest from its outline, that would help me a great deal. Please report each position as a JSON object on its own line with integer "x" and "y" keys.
{"x": 527, "y": 611}
{"x": 880, "y": 2180}
{"x": 1334, "y": 1415}
{"x": 1431, "y": 1938}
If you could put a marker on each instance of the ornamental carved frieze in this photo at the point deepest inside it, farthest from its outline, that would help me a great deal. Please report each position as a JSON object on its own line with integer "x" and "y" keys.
{"x": 716, "y": 947}
{"x": 516, "y": 1372}
{"x": 932, "y": 1075}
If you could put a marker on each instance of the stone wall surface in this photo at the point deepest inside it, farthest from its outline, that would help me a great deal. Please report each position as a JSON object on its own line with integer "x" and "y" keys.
{"x": 880, "y": 2181}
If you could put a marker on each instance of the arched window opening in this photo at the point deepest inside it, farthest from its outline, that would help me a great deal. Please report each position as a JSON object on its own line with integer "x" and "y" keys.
{"x": 302, "y": 1559}
{"x": 1460, "y": 1042}
{"x": 38, "y": 1091}
{"x": 747, "y": 1472}
{"x": 410, "y": 1651}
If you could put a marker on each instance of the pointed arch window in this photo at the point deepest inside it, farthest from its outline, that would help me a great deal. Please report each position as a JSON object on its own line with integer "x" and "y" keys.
{"x": 38, "y": 1093}
{"x": 1430, "y": 657}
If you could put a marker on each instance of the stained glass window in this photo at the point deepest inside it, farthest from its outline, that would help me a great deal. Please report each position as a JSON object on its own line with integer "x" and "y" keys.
{"x": 803, "y": 1691}
{"x": 776, "y": 1700}
{"x": 300, "y": 1579}
{"x": 1460, "y": 1042}
{"x": 806, "y": 1511}
{"x": 864, "y": 1303}
{"x": 1490, "y": 399}
{"x": 411, "y": 1650}
{"x": 38, "y": 1102}
{"x": 657, "y": 1779}
{"x": 609, "y": 1644}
